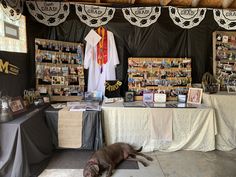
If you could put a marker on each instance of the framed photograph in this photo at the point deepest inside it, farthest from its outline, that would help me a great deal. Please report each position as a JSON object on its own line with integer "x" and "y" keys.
{"x": 194, "y": 95}
{"x": 129, "y": 96}
{"x": 11, "y": 31}
{"x": 16, "y": 104}
{"x": 231, "y": 89}
{"x": 147, "y": 97}
{"x": 46, "y": 99}
{"x": 181, "y": 98}
{"x": 160, "y": 97}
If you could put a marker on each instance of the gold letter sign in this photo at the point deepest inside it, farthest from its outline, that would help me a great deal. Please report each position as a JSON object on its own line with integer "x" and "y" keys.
{"x": 7, "y": 68}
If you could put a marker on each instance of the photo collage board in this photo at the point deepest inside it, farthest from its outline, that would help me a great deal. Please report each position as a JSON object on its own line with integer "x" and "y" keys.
{"x": 171, "y": 76}
{"x": 224, "y": 54}
{"x": 59, "y": 68}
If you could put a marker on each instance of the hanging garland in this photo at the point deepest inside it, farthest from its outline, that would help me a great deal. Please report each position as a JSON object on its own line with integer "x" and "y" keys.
{"x": 225, "y": 18}
{"x": 13, "y": 9}
{"x": 187, "y": 17}
{"x": 94, "y": 16}
{"x": 49, "y": 13}
{"x": 142, "y": 16}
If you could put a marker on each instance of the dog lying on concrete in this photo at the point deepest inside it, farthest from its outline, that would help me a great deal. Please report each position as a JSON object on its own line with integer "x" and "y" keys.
{"x": 109, "y": 157}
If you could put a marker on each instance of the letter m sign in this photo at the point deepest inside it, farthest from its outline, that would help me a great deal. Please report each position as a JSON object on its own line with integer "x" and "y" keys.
{"x": 4, "y": 66}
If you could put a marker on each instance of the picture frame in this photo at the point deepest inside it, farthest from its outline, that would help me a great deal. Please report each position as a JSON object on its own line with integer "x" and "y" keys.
{"x": 160, "y": 97}
{"x": 46, "y": 99}
{"x": 195, "y": 95}
{"x": 231, "y": 89}
{"x": 16, "y": 105}
{"x": 181, "y": 98}
{"x": 11, "y": 31}
{"x": 148, "y": 97}
{"x": 129, "y": 96}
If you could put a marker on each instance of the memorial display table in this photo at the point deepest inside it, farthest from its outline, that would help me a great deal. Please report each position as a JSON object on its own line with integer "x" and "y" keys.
{"x": 92, "y": 133}
{"x": 25, "y": 142}
{"x": 224, "y": 105}
{"x": 192, "y": 128}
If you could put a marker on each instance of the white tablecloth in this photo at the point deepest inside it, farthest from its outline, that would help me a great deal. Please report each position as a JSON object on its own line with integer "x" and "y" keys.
{"x": 193, "y": 128}
{"x": 225, "y": 109}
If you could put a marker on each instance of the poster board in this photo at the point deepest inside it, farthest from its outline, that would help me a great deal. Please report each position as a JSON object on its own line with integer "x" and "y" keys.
{"x": 59, "y": 69}
{"x": 171, "y": 76}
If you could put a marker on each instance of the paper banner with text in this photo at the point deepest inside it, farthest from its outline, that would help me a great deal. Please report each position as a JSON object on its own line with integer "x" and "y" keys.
{"x": 49, "y": 13}
{"x": 187, "y": 17}
{"x": 225, "y": 18}
{"x": 142, "y": 16}
{"x": 12, "y": 8}
{"x": 94, "y": 16}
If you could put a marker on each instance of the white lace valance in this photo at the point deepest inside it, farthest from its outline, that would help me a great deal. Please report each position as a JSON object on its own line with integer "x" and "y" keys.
{"x": 49, "y": 13}
{"x": 12, "y": 8}
{"x": 94, "y": 16}
{"x": 187, "y": 17}
{"x": 142, "y": 16}
{"x": 225, "y": 18}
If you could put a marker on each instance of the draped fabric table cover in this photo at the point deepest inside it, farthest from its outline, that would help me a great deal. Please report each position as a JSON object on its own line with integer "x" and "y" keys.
{"x": 69, "y": 128}
{"x": 225, "y": 109}
{"x": 193, "y": 128}
{"x": 25, "y": 143}
{"x": 92, "y": 132}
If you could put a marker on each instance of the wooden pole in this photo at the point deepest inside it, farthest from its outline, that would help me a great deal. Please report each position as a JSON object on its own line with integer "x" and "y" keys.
{"x": 226, "y": 3}
{"x": 181, "y": 3}
{"x": 195, "y": 3}
{"x": 210, "y": 3}
{"x": 233, "y": 5}
{"x": 164, "y": 2}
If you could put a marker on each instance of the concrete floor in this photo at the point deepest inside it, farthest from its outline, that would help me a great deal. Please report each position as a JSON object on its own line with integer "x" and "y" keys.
{"x": 171, "y": 164}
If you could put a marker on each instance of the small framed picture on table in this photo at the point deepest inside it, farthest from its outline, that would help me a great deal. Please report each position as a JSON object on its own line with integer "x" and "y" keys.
{"x": 194, "y": 95}
{"x": 16, "y": 105}
{"x": 148, "y": 97}
{"x": 231, "y": 89}
{"x": 129, "y": 96}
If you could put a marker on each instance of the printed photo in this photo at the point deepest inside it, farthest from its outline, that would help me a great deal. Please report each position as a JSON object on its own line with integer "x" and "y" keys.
{"x": 194, "y": 95}
{"x": 58, "y": 80}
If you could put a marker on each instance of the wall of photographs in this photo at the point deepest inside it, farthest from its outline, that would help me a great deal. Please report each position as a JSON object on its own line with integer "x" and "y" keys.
{"x": 224, "y": 58}
{"x": 59, "y": 69}
{"x": 171, "y": 76}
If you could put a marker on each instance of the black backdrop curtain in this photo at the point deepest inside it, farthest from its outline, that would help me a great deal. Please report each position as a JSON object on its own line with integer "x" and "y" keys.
{"x": 12, "y": 85}
{"x": 161, "y": 39}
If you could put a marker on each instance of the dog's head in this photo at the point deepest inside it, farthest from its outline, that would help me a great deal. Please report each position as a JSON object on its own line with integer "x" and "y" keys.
{"x": 91, "y": 170}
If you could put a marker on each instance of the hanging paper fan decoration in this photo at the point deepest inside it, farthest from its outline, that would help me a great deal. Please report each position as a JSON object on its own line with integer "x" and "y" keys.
{"x": 13, "y": 9}
{"x": 187, "y": 17}
{"x": 225, "y": 18}
{"x": 94, "y": 16}
{"x": 142, "y": 16}
{"x": 49, "y": 13}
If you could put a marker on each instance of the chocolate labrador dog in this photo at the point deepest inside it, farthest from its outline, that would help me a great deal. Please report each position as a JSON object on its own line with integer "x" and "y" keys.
{"x": 109, "y": 157}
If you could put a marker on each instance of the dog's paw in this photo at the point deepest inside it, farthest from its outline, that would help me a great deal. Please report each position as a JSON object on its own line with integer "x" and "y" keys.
{"x": 149, "y": 158}
{"x": 145, "y": 164}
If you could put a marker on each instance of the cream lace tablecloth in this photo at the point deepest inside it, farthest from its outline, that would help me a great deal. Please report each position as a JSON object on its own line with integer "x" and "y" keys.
{"x": 225, "y": 108}
{"x": 192, "y": 128}
{"x": 70, "y": 128}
